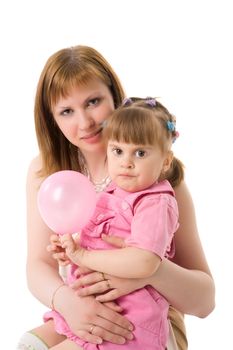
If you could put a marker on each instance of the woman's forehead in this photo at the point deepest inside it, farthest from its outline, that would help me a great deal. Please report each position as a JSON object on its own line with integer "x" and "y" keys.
{"x": 75, "y": 85}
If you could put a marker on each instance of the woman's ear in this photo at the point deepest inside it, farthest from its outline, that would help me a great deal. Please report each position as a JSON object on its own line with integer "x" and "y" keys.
{"x": 167, "y": 161}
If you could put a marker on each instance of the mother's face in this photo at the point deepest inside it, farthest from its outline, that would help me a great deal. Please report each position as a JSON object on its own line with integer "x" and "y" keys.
{"x": 81, "y": 114}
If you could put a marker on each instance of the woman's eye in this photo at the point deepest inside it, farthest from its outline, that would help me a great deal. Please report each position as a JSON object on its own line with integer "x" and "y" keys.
{"x": 117, "y": 151}
{"x": 67, "y": 112}
{"x": 93, "y": 101}
{"x": 140, "y": 153}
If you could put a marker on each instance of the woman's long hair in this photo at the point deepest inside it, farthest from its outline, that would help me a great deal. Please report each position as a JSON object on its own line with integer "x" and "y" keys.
{"x": 64, "y": 70}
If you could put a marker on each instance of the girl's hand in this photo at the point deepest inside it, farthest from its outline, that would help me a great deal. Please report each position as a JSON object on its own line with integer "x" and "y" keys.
{"x": 58, "y": 253}
{"x": 106, "y": 287}
{"x": 72, "y": 248}
{"x": 117, "y": 242}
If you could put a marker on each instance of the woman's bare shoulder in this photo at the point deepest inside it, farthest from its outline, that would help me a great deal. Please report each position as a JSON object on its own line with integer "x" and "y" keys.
{"x": 35, "y": 164}
{"x": 33, "y": 169}
{"x": 185, "y": 202}
{"x": 182, "y": 190}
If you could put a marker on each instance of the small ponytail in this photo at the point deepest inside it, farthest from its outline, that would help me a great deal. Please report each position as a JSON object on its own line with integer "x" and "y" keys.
{"x": 176, "y": 172}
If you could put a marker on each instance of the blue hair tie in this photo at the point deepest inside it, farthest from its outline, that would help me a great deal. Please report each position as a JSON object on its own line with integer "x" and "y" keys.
{"x": 171, "y": 126}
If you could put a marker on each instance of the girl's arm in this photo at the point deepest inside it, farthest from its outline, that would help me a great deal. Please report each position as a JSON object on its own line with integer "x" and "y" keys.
{"x": 186, "y": 281}
{"x": 43, "y": 280}
{"x": 152, "y": 227}
{"x": 128, "y": 262}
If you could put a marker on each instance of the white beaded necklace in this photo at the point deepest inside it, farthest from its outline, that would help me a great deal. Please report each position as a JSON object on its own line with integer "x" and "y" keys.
{"x": 99, "y": 186}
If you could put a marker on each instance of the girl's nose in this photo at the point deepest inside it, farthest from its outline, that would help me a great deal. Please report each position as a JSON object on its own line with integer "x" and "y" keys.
{"x": 127, "y": 163}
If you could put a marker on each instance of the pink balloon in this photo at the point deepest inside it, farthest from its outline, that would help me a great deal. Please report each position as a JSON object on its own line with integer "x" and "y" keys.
{"x": 66, "y": 201}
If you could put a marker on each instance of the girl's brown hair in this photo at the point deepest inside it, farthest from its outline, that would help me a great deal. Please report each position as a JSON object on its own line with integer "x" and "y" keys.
{"x": 65, "y": 69}
{"x": 146, "y": 122}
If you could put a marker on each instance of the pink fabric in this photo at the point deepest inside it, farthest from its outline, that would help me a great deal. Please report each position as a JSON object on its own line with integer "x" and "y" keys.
{"x": 147, "y": 219}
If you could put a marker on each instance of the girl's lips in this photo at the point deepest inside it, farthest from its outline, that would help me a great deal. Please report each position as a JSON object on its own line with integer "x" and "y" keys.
{"x": 126, "y": 175}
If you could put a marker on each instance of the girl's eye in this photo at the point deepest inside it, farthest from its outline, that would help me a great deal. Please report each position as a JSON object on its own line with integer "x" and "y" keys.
{"x": 140, "y": 153}
{"x": 117, "y": 151}
{"x": 67, "y": 112}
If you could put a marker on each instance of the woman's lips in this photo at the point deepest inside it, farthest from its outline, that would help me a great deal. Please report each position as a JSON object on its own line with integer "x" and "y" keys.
{"x": 93, "y": 137}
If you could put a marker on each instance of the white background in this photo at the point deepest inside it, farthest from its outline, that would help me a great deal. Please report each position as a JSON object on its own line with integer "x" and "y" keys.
{"x": 179, "y": 50}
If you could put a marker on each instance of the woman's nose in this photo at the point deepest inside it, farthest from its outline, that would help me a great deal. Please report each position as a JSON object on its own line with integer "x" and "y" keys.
{"x": 85, "y": 121}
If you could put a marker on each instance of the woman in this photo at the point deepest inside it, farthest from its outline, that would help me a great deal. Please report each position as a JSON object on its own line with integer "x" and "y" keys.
{"x": 76, "y": 93}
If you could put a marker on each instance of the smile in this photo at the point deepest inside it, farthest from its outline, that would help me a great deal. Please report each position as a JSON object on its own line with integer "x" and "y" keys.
{"x": 91, "y": 135}
{"x": 92, "y": 138}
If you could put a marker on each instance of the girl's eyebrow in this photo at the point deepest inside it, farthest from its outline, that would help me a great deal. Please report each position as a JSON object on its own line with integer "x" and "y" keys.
{"x": 113, "y": 144}
{"x": 135, "y": 148}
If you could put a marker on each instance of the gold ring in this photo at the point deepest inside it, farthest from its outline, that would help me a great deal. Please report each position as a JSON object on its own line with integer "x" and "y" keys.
{"x": 103, "y": 276}
{"x": 91, "y": 329}
{"x": 108, "y": 284}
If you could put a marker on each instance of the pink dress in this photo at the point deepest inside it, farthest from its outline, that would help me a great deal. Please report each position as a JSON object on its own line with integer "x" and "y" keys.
{"x": 147, "y": 219}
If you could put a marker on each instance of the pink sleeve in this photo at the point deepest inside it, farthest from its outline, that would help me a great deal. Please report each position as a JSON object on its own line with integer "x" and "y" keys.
{"x": 154, "y": 224}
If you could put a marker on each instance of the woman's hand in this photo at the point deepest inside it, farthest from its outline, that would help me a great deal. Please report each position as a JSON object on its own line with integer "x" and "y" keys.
{"x": 93, "y": 321}
{"x": 105, "y": 287}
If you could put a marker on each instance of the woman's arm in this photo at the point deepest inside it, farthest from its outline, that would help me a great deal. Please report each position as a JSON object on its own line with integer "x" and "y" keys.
{"x": 43, "y": 279}
{"x": 189, "y": 291}
{"x": 186, "y": 281}
{"x": 42, "y": 273}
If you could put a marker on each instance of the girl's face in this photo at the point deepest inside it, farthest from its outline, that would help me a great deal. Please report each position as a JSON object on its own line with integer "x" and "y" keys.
{"x": 135, "y": 167}
{"x": 80, "y": 115}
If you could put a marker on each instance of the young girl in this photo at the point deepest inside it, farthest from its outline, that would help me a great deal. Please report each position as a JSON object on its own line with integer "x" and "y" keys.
{"x": 77, "y": 91}
{"x": 139, "y": 205}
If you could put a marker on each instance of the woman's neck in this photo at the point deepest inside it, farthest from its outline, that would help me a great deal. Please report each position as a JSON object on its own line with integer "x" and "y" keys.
{"x": 96, "y": 167}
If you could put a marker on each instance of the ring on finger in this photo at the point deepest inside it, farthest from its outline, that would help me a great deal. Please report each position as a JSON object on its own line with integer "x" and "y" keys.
{"x": 103, "y": 276}
{"x": 108, "y": 284}
{"x": 91, "y": 329}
